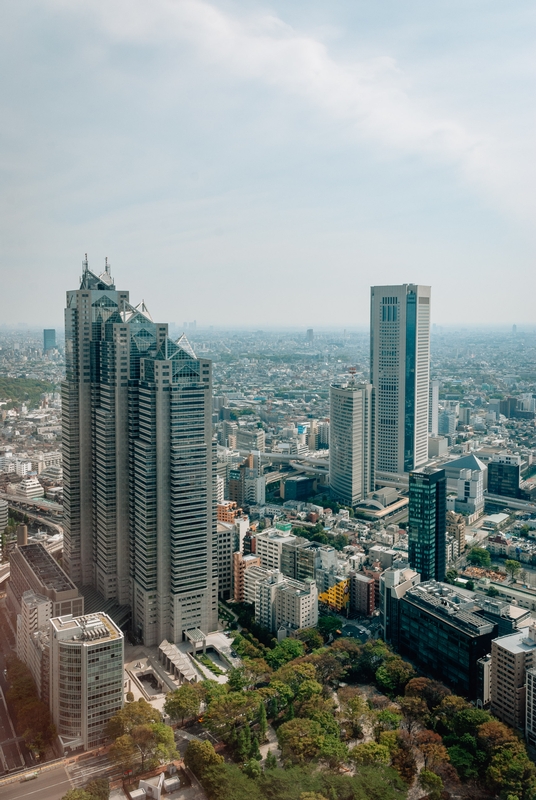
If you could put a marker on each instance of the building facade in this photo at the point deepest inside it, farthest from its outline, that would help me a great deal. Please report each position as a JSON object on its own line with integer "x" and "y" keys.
{"x": 139, "y": 464}
{"x": 352, "y": 458}
{"x": 49, "y": 339}
{"x": 34, "y": 569}
{"x": 504, "y": 474}
{"x": 361, "y": 594}
{"x": 440, "y": 632}
{"x": 427, "y": 523}
{"x": 86, "y": 678}
{"x": 433, "y": 408}
{"x": 400, "y": 372}
{"x": 281, "y": 602}
{"x": 511, "y": 657}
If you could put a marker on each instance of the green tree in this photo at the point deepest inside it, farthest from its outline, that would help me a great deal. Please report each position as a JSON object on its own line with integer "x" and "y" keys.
{"x": 451, "y": 576}
{"x": 243, "y": 743}
{"x": 511, "y": 771}
{"x": 286, "y": 651}
{"x": 311, "y": 638}
{"x": 226, "y": 714}
{"x": 255, "y": 752}
{"x": 327, "y": 625}
{"x": 479, "y": 557}
{"x": 431, "y": 783}
{"x": 123, "y": 752}
{"x": 449, "y": 708}
{"x": 468, "y": 720}
{"x": 393, "y": 675}
{"x": 129, "y": 697}
{"x": 300, "y": 740}
{"x": 387, "y": 720}
{"x": 99, "y": 789}
{"x": 77, "y": 794}
{"x": 464, "y": 762}
{"x": 252, "y": 769}
{"x": 131, "y": 715}
{"x": 271, "y": 760}
{"x": 370, "y": 753}
{"x": 183, "y": 702}
{"x": 263, "y": 723}
{"x": 334, "y": 752}
{"x": 199, "y": 756}
{"x": 154, "y": 742}
{"x": 236, "y": 679}
{"x": 415, "y": 712}
{"x": 492, "y": 592}
{"x": 512, "y": 567}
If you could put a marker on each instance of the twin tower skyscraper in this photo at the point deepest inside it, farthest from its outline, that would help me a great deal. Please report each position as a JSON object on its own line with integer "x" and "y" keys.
{"x": 382, "y": 426}
{"x": 138, "y": 458}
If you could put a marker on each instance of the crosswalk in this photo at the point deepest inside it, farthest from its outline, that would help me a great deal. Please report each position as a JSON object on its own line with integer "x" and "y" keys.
{"x": 87, "y": 769}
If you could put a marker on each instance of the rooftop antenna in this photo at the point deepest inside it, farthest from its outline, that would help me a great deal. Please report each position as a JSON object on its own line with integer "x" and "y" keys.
{"x": 85, "y": 268}
{"x": 352, "y": 371}
{"x": 106, "y": 266}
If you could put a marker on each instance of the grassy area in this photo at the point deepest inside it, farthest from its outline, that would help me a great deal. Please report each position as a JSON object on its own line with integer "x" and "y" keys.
{"x": 205, "y": 660}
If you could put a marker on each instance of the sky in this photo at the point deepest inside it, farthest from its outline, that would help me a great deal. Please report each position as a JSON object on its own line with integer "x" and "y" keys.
{"x": 246, "y": 163}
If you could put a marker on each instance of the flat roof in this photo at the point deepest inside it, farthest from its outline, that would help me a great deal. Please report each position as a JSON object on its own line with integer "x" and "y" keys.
{"x": 46, "y": 567}
{"x": 88, "y": 628}
{"x": 516, "y": 643}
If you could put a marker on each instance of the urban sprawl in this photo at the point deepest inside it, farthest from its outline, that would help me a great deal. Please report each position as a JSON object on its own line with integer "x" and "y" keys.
{"x": 224, "y": 552}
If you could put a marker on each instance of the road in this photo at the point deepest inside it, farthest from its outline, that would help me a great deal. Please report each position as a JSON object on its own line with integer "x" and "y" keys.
{"x": 11, "y": 756}
{"x": 51, "y": 784}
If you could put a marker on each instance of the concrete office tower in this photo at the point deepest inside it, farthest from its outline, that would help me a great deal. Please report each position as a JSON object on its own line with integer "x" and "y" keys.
{"x": 427, "y": 523}
{"x": 4, "y": 519}
{"x": 433, "y": 408}
{"x": 49, "y": 339}
{"x": 530, "y": 713}
{"x": 86, "y": 678}
{"x": 352, "y": 467}
{"x": 511, "y": 657}
{"x": 400, "y": 373}
{"x": 139, "y": 463}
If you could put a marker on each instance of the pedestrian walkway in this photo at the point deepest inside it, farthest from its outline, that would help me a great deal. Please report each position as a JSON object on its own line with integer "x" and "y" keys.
{"x": 270, "y": 745}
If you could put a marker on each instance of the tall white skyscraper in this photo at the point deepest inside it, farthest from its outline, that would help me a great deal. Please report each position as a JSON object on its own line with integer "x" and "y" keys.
{"x": 352, "y": 441}
{"x": 400, "y": 373}
{"x": 433, "y": 408}
{"x": 139, "y": 464}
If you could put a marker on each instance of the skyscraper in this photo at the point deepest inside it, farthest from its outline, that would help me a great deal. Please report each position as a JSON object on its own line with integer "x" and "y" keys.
{"x": 427, "y": 524}
{"x": 352, "y": 441}
{"x": 433, "y": 408}
{"x": 49, "y": 339}
{"x": 139, "y": 463}
{"x": 400, "y": 372}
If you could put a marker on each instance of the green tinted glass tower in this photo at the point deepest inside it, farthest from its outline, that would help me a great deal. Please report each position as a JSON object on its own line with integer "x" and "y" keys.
{"x": 427, "y": 524}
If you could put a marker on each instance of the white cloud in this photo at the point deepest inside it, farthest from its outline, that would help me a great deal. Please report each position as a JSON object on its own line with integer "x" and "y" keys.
{"x": 373, "y": 96}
